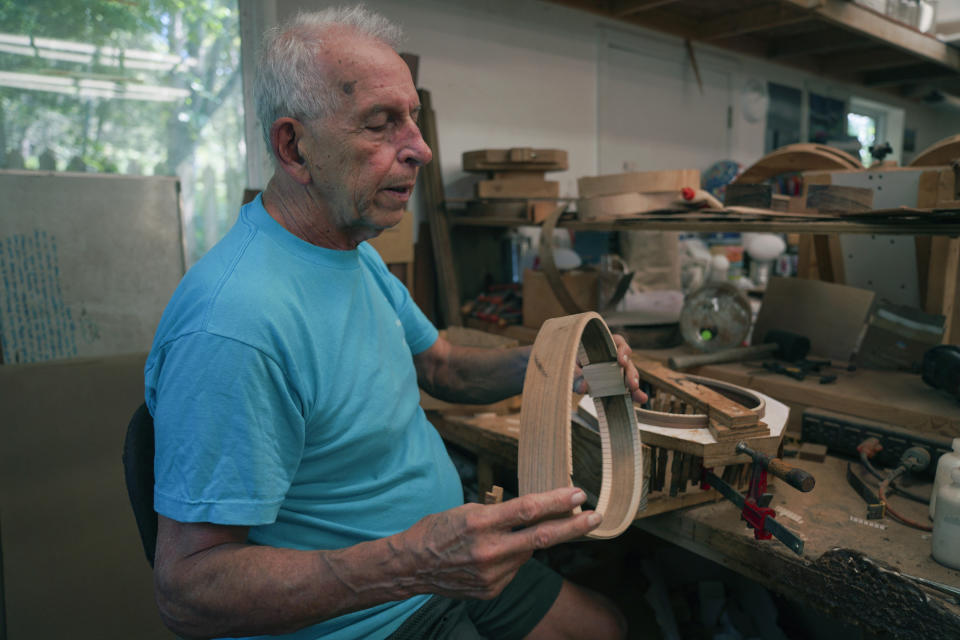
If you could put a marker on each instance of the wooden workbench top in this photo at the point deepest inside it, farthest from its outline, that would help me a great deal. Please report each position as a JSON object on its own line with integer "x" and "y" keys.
{"x": 892, "y": 397}
{"x": 850, "y": 567}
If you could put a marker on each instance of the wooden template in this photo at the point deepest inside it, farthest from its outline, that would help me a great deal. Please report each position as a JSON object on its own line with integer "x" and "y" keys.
{"x": 515, "y": 159}
{"x": 638, "y": 182}
{"x": 545, "y": 453}
{"x": 797, "y": 157}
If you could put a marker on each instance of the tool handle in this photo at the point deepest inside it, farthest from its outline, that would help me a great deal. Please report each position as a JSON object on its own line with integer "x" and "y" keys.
{"x": 796, "y": 478}
{"x": 725, "y": 355}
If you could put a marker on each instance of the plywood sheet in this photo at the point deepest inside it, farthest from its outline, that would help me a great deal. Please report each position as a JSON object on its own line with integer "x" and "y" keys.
{"x": 87, "y": 262}
{"x": 831, "y": 315}
{"x": 73, "y": 564}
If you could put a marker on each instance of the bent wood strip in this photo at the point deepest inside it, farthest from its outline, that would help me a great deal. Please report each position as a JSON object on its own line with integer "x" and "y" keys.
{"x": 545, "y": 455}
{"x": 939, "y": 153}
{"x": 797, "y": 157}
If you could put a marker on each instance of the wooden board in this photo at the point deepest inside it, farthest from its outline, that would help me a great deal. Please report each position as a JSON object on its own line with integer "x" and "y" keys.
{"x": 625, "y": 205}
{"x": 830, "y": 198}
{"x": 638, "y": 181}
{"x": 831, "y": 316}
{"x": 515, "y": 159}
{"x": 431, "y": 179}
{"x": 718, "y": 408}
{"x": 517, "y": 188}
{"x": 73, "y": 564}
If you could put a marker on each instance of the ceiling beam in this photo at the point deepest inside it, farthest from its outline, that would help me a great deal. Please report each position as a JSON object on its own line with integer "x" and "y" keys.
{"x": 913, "y": 74}
{"x": 870, "y": 59}
{"x": 863, "y": 21}
{"x": 729, "y": 25}
{"x": 623, "y": 8}
{"x": 815, "y": 43}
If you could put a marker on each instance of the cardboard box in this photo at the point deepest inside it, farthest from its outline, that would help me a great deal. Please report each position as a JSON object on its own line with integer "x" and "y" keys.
{"x": 539, "y": 302}
{"x": 396, "y": 243}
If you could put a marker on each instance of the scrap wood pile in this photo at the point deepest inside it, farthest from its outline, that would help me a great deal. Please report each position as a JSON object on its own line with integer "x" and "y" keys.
{"x": 655, "y": 195}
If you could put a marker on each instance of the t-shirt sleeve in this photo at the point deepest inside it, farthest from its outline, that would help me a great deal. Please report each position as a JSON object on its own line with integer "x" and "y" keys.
{"x": 419, "y": 332}
{"x": 229, "y": 432}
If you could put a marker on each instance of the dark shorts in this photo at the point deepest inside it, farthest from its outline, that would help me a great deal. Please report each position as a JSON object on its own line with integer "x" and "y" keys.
{"x": 511, "y": 615}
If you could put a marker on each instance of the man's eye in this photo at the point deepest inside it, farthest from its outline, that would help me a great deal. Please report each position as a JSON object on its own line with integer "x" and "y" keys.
{"x": 376, "y": 127}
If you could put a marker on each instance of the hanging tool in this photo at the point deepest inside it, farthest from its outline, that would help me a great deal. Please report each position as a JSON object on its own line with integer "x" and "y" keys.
{"x": 754, "y": 506}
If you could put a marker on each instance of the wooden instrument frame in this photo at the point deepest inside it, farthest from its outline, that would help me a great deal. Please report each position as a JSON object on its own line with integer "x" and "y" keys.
{"x": 545, "y": 455}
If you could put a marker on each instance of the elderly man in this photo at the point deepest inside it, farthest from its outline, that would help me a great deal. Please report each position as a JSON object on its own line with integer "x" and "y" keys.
{"x": 299, "y": 486}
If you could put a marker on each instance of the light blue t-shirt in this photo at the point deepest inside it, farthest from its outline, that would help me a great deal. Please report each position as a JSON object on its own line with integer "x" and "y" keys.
{"x": 284, "y": 397}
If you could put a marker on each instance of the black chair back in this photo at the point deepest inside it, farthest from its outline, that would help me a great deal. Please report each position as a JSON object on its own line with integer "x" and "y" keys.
{"x": 138, "y": 451}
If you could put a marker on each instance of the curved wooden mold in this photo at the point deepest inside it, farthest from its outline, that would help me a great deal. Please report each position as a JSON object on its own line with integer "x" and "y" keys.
{"x": 671, "y": 412}
{"x": 545, "y": 458}
{"x": 798, "y": 157}
{"x": 942, "y": 152}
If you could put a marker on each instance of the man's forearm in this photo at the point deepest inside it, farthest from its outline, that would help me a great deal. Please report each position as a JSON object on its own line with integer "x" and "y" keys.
{"x": 473, "y": 375}
{"x": 241, "y": 589}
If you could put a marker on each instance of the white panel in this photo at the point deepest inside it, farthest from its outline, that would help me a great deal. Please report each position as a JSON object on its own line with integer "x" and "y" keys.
{"x": 886, "y": 264}
{"x": 87, "y": 262}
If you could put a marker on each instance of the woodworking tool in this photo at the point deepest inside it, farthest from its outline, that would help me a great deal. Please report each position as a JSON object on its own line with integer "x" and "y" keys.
{"x": 754, "y": 506}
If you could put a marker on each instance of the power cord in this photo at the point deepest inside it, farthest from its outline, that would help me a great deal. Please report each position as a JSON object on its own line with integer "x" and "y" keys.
{"x": 869, "y": 448}
{"x": 914, "y": 459}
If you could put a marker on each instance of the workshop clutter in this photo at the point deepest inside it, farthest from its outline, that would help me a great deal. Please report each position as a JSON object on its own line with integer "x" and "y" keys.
{"x": 514, "y": 183}
{"x": 627, "y": 195}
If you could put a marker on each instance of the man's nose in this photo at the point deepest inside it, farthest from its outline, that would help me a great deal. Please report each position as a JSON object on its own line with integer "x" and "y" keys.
{"x": 415, "y": 151}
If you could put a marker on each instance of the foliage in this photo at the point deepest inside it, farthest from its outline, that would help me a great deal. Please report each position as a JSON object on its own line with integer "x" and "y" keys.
{"x": 121, "y": 134}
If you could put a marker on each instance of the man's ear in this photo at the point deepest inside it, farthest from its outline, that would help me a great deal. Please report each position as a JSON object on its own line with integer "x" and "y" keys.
{"x": 285, "y": 138}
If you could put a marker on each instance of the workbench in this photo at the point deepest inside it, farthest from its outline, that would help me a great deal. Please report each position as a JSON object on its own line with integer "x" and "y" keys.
{"x": 851, "y": 567}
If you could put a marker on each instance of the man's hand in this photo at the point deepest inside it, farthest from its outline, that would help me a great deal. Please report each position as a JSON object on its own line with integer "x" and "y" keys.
{"x": 630, "y": 376}
{"x": 473, "y": 551}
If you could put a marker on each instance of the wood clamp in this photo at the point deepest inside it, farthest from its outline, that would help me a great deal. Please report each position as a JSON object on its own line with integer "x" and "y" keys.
{"x": 545, "y": 456}
{"x": 754, "y": 507}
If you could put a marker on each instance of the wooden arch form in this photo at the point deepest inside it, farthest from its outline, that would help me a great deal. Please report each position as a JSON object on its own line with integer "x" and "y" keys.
{"x": 797, "y": 157}
{"x": 942, "y": 152}
{"x": 545, "y": 456}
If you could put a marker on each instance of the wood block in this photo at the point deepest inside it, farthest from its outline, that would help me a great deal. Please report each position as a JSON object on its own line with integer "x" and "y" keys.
{"x": 604, "y": 379}
{"x": 749, "y": 195}
{"x": 812, "y": 451}
{"x": 517, "y": 188}
{"x": 494, "y": 496}
{"x": 781, "y": 203}
{"x": 624, "y": 205}
{"x": 515, "y": 159}
{"x": 830, "y": 198}
{"x": 725, "y": 433}
{"x": 642, "y": 182}
{"x": 517, "y": 175}
{"x": 718, "y": 407}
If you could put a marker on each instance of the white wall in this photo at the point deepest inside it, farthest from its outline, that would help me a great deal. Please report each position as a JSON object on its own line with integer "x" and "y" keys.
{"x": 506, "y": 73}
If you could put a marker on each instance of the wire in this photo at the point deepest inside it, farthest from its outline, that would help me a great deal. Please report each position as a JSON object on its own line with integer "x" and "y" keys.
{"x": 896, "y": 487}
{"x": 883, "y": 499}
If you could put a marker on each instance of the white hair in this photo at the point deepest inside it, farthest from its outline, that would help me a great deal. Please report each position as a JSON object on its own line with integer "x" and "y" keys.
{"x": 289, "y": 81}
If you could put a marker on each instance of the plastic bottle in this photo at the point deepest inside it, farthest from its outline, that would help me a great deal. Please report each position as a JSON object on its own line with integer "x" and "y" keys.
{"x": 948, "y": 462}
{"x": 946, "y": 524}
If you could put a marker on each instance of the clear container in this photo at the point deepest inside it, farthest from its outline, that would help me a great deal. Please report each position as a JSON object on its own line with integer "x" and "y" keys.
{"x": 948, "y": 462}
{"x": 946, "y": 525}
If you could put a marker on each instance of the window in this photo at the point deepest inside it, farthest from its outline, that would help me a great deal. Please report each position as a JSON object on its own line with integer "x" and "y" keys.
{"x": 134, "y": 86}
{"x": 863, "y": 127}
